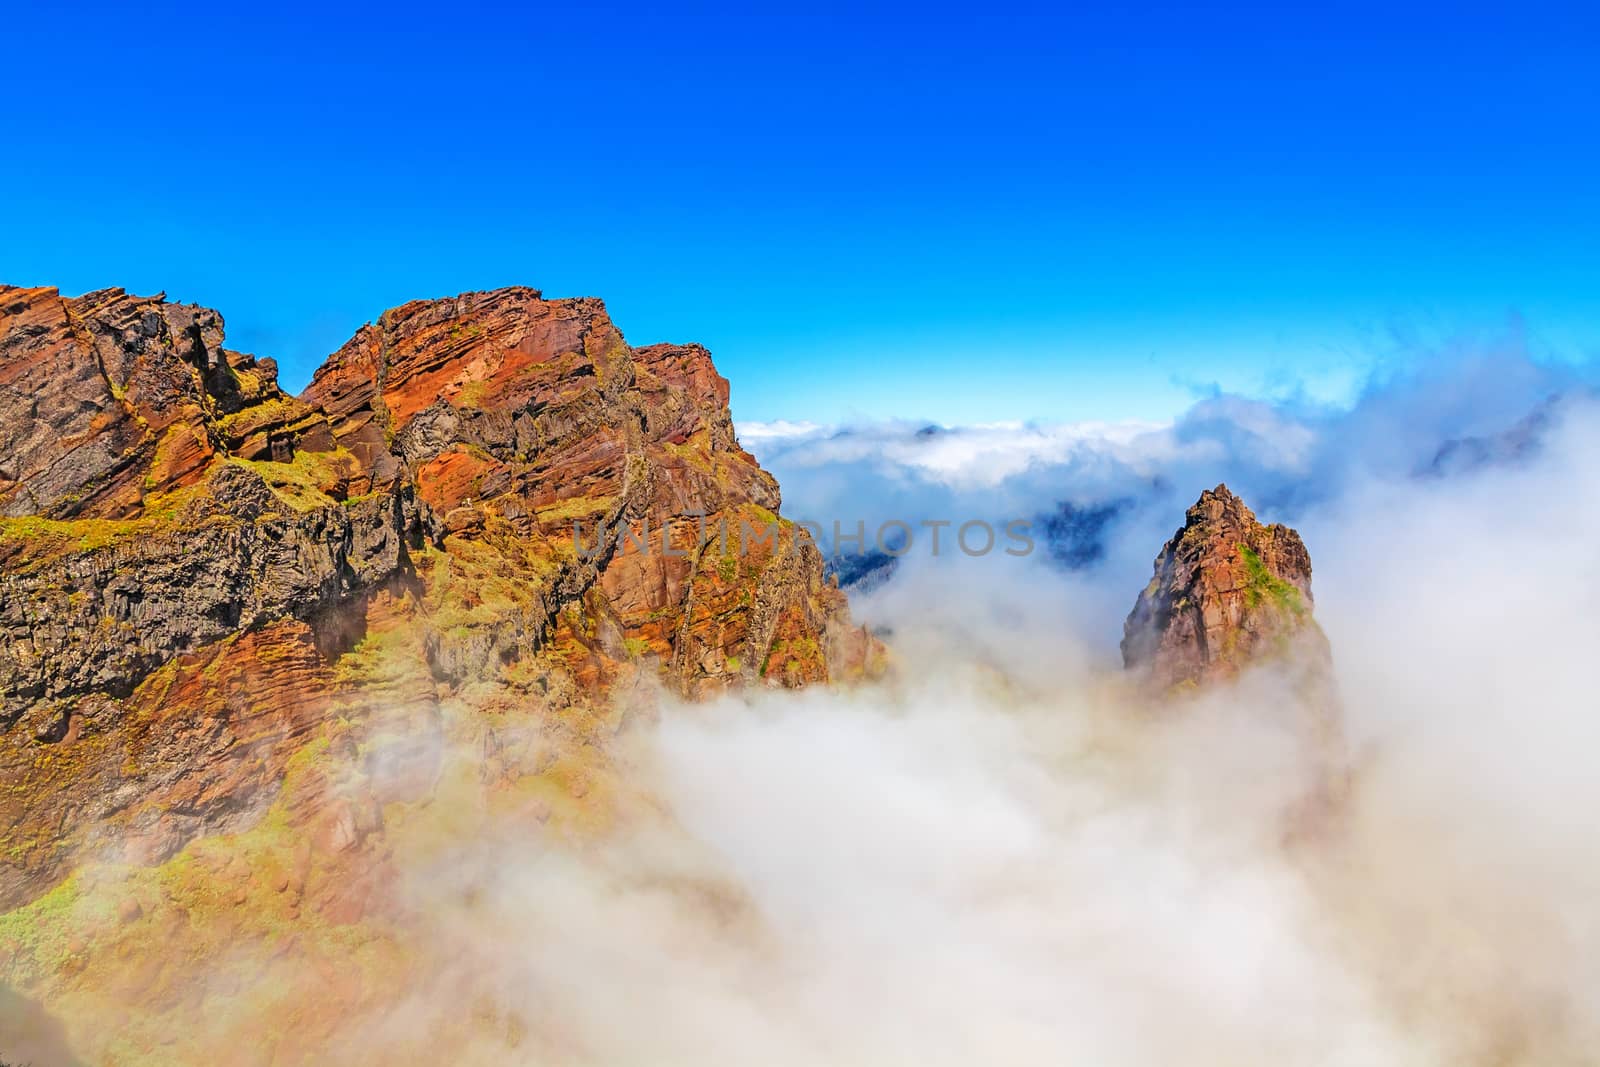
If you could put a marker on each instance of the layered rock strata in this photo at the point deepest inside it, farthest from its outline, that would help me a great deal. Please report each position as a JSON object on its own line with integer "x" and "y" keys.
{"x": 199, "y": 573}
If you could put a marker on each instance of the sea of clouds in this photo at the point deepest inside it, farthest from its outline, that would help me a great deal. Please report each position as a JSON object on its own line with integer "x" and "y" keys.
{"x": 1008, "y": 854}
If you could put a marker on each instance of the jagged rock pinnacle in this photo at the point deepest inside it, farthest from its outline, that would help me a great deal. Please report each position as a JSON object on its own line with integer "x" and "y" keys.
{"x": 1227, "y": 591}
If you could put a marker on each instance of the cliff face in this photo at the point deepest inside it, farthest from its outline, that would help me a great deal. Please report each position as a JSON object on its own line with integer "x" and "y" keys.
{"x": 1227, "y": 592}
{"x": 529, "y": 425}
{"x": 109, "y": 399}
{"x": 200, "y": 572}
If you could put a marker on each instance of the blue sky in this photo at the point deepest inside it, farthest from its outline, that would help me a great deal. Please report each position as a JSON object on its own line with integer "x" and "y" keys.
{"x": 945, "y": 216}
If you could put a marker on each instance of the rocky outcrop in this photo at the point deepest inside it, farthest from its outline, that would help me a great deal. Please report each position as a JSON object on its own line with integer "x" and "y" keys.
{"x": 108, "y": 398}
{"x": 199, "y": 573}
{"x": 141, "y": 521}
{"x": 93, "y": 609}
{"x": 531, "y": 426}
{"x": 174, "y": 572}
{"x": 1227, "y": 592}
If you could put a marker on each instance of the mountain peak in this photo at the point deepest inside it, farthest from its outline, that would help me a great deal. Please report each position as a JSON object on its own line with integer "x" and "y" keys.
{"x": 1227, "y": 591}
{"x": 491, "y": 495}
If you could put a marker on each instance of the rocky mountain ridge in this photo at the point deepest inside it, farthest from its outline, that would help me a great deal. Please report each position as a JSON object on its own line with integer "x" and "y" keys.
{"x": 194, "y": 563}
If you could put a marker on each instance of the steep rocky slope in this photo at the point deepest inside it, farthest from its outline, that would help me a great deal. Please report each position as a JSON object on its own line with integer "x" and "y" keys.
{"x": 521, "y": 419}
{"x": 201, "y": 576}
{"x": 1227, "y": 592}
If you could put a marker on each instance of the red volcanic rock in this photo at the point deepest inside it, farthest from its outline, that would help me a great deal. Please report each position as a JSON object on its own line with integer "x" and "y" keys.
{"x": 108, "y": 398}
{"x": 200, "y": 575}
{"x": 1227, "y": 591}
{"x": 518, "y": 417}
{"x": 70, "y": 435}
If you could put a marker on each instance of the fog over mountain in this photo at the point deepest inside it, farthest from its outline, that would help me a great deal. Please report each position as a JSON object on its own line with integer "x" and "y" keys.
{"x": 777, "y": 536}
{"x": 1102, "y": 496}
{"x": 1006, "y": 854}
{"x": 505, "y": 805}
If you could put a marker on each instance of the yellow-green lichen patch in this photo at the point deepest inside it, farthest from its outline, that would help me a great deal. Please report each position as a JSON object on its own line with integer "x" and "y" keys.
{"x": 1262, "y": 586}
{"x": 310, "y": 481}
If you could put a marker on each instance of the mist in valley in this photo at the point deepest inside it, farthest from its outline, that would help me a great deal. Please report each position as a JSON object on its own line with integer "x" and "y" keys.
{"x": 1009, "y": 850}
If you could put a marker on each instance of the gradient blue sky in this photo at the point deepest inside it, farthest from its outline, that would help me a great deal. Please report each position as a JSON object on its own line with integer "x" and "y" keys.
{"x": 935, "y": 215}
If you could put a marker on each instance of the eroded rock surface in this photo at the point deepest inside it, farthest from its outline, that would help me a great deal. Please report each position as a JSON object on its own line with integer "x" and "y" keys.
{"x": 199, "y": 573}
{"x": 1227, "y": 592}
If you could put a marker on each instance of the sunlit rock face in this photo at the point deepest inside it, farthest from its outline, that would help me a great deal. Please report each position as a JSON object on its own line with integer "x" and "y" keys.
{"x": 201, "y": 572}
{"x": 528, "y": 423}
{"x": 1227, "y": 592}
